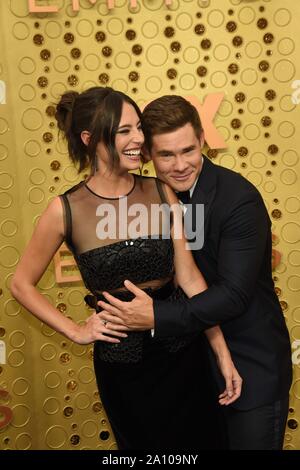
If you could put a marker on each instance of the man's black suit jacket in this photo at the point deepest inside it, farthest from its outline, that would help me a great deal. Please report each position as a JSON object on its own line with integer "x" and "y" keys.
{"x": 236, "y": 263}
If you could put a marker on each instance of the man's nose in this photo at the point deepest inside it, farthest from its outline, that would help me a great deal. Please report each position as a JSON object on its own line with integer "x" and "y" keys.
{"x": 180, "y": 163}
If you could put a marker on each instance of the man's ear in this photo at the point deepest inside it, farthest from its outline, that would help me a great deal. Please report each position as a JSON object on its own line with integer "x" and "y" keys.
{"x": 85, "y": 137}
{"x": 146, "y": 154}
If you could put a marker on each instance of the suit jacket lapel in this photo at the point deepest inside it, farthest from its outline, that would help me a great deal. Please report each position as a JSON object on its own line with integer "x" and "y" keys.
{"x": 205, "y": 190}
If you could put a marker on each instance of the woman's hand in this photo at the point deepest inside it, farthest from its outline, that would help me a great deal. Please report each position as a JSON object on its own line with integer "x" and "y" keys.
{"x": 96, "y": 329}
{"x": 233, "y": 380}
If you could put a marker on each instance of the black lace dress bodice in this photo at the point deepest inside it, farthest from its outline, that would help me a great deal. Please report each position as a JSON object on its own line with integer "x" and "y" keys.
{"x": 106, "y": 263}
{"x": 138, "y": 260}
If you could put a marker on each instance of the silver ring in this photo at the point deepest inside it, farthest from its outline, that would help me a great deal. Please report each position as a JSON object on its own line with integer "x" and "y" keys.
{"x": 104, "y": 322}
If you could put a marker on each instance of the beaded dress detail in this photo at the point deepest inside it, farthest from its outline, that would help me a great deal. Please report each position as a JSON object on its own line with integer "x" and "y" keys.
{"x": 105, "y": 263}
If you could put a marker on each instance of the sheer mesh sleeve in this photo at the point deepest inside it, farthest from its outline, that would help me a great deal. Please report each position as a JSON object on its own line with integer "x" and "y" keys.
{"x": 114, "y": 239}
{"x": 67, "y": 217}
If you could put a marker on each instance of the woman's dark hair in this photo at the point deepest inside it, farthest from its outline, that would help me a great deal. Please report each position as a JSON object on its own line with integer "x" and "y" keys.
{"x": 97, "y": 110}
{"x": 167, "y": 114}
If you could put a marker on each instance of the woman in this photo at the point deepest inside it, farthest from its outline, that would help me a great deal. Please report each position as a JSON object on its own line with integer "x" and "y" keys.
{"x": 157, "y": 393}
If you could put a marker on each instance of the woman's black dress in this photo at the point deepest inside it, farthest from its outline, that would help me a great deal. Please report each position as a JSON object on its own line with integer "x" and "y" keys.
{"x": 158, "y": 394}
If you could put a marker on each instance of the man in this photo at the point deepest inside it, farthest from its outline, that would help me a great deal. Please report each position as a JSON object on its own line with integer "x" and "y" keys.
{"x": 236, "y": 263}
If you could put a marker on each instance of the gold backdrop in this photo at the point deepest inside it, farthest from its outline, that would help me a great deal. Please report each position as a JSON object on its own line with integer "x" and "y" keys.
{"x": 247, "y": 49}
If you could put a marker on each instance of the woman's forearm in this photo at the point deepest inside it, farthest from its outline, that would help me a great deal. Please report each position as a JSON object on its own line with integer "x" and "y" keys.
{"x": 217, "y": 342}
{"x": 193, "y": 286}
{"x": 40, "y": 307}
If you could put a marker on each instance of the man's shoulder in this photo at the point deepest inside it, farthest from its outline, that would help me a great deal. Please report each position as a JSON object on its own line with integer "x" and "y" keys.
{"x": 233, "y": 181}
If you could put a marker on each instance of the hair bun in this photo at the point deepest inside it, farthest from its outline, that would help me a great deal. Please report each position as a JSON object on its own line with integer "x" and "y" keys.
{"x": 64, "y": 109}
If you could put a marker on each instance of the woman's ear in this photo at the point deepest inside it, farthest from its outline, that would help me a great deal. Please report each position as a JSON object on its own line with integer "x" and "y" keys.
{"x": 145, "y": 155}
{"x": 85, "y": 137}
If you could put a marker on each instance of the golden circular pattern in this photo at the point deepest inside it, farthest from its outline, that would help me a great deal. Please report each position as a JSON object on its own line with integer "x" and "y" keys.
{"x": 266, "y": 121}
{"x": 231, "y": 26}
{"x": 264, "y": 65}
{"x": 270, "y": 95}
{"x": 75, "y": 53}
{"x": 133, "y": 76}
{"x": 292, "y": 423}
{"x": 45, "y": 54}
{"x": 103, "y": 78}
{"x": 237, "y": 41}
{"x": 38, "y": 39}
{"x": 273, "y": 149}
{"x": 42, "y": 82}
{"x": 171, "y": 73}
{"x": 130, "y": 34}
{"x": 268, "y": 38}
{"x": 47, "y": 137}
{"x": 262, "y": 23}
{"x": 107, "y": 51}
{"x": 240, "y": 97}
{"x": 169, "y": 32}
{"x": 290, "y": 158}
{"x": 236, "y": 123}
{"x": 282, "y": 17}
{"x": 104, "y": 435}
{"x": 201, "y": 71}
{"x": 233, "y": 68}
{"x": 97, "y": 407}
{"x": 278, "y": 291}
{"x": 199, "y": 29}
{"x": 72, "y": 386}
{"x": 100, "y": 36}
{"x": 61, "y": 307}
{"x": 68, "y": 411}
{"x": 243, "y": 151}
{"x": 75, "y": 439}
{"x": 175, "y": 46}
{"x": 215, "y": 18}
{"x": 212, "y": 153}
{"x": 65, "y": 358}
{"x": 69, "y": 38}
{"x": 137, "y": 49}
{"x": 73, "y": 80}
{"x": 205, "y": 44}
{"x": 55, "y": 165}
{"x": 276, "y": 214}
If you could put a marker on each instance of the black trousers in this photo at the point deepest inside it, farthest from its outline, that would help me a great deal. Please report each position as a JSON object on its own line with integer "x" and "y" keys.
{"x": 258, "y": 429}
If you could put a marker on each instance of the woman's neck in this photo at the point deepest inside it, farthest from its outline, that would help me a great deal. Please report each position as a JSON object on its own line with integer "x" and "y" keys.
{"x": 111, "y": 183}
